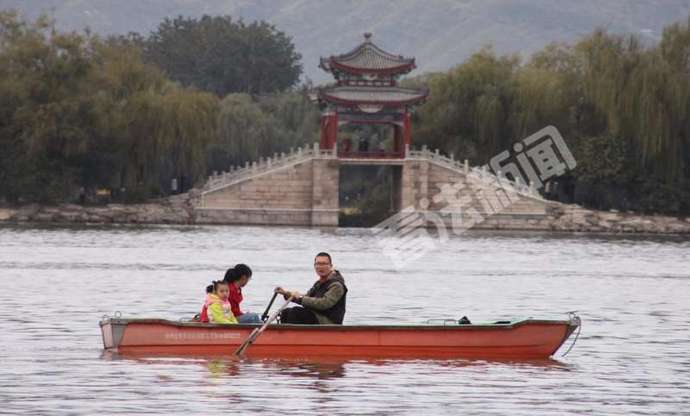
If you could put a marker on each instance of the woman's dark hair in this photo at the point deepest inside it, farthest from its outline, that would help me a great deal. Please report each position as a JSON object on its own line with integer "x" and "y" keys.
{"x": 324, "y": 254}
{"x": 235, "y": 273}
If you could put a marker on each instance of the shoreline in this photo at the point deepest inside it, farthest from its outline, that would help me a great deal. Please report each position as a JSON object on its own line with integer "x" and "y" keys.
{"x": 503, "y": 232}
{"x": 180, "y": 210}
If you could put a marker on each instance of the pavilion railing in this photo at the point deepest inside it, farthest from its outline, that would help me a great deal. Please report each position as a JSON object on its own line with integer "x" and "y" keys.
{"x": 371, "y": 154}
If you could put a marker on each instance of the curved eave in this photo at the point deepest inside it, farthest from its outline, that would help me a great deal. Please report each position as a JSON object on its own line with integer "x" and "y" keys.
{"x": 386, "y": 103}
{"x": 399, "y": 69}
{"x": 324, "y": 63}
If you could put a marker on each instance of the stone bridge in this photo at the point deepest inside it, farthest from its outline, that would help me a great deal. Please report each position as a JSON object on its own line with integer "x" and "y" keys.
{"x": 301, "y": 188}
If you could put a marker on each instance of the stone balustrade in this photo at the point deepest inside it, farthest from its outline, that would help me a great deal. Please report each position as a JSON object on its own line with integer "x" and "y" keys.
{"x": 263, "y": 165}
{"x": 482, "y": 173}
{"x": 237, "y": 174}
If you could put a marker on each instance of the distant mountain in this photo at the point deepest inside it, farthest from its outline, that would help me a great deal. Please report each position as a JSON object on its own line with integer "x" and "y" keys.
{"x": 439, "y": 33}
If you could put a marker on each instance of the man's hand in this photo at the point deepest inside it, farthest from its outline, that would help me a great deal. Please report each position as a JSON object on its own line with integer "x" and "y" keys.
{"x": 286, "y": 293}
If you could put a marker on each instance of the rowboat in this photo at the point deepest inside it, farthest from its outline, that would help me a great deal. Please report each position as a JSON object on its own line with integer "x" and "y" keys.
{"x": 520, "y": 339}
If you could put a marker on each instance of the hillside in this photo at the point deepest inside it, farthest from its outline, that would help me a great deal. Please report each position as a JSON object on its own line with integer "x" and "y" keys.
{"x": 440, "y": 33}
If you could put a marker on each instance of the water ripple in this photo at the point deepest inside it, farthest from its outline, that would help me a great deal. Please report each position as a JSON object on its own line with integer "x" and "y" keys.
{"x": 57, "y": 282}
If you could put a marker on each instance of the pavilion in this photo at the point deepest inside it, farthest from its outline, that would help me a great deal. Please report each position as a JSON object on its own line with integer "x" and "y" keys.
{"x": 366, "y": 91}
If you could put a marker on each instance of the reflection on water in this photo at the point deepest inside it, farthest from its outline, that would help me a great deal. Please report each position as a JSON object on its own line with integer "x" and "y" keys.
{"x": 56, "y": 283}
{"x": 320, "y": 367}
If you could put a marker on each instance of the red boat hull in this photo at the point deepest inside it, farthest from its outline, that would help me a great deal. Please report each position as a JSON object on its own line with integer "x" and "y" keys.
{"x": 528, "y": 339}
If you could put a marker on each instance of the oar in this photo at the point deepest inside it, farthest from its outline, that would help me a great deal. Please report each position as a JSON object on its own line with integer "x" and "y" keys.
{"x": 255, "y": 333}
{"x": 265, "y": 314}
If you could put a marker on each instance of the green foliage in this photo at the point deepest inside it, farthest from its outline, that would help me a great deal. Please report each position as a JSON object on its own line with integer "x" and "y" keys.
{"x": 604, "y": 160}
{"x": 244, "y": 132}
{"x": 79, "y": 111}
{"x": 623, "y": 108}
{"x": 469, "y": 107}
{"x": 223, "y": 56}
{"x": 251, "y": 128}
{"x": 607, "y": 179}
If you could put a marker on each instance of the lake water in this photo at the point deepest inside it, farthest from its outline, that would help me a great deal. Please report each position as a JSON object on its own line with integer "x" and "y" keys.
{"x": 631, "y": 292}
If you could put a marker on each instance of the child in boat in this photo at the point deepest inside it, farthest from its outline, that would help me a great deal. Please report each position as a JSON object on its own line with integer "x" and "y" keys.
{"x": 237, "y": 277}
{"x": 217, "y": 309}
{"x": 203, "y": 315}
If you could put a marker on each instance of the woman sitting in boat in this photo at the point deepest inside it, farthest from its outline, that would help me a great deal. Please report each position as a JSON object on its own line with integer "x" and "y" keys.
{"x": 217, "y": 309}
{"x": 237, "y": 277}
{"x": 324, "y": 303}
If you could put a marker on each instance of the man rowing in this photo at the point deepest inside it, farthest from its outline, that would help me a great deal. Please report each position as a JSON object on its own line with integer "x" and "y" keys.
{"x": 324, "y": 303}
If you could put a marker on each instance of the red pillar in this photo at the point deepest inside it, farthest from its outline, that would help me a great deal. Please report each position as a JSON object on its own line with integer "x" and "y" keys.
{"x": 397, "y": 138}
{"x": 407, "y": 130}
{"x": 325, "y": 119}
{"x": 333, "y": 136}
{"x": 329, "y": 129}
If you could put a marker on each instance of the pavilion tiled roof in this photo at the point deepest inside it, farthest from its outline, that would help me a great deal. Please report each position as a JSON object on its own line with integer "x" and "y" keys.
{"x": 371, "y": 95}
{"x": 367, "y": 57}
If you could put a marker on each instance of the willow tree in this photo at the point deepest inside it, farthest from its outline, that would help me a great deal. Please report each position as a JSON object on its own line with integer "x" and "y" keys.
{"x": 187, "y": 124}
{"x": 245, "y": 132}
{"x": 469, "y": 107}
{"x": 674, "y": 50}
{"x": 295, "y": 116}
{"x": 623, "y": 108}
{"x": 157, "y": 129}
{"x": 78, "y": 111}
{"x": 128, "y": 144}
{"x": 547, "y": 92}
{"x": 643, "y": 92}
{"x": 47, "y": 115}
{"x": 159, "y": 137}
